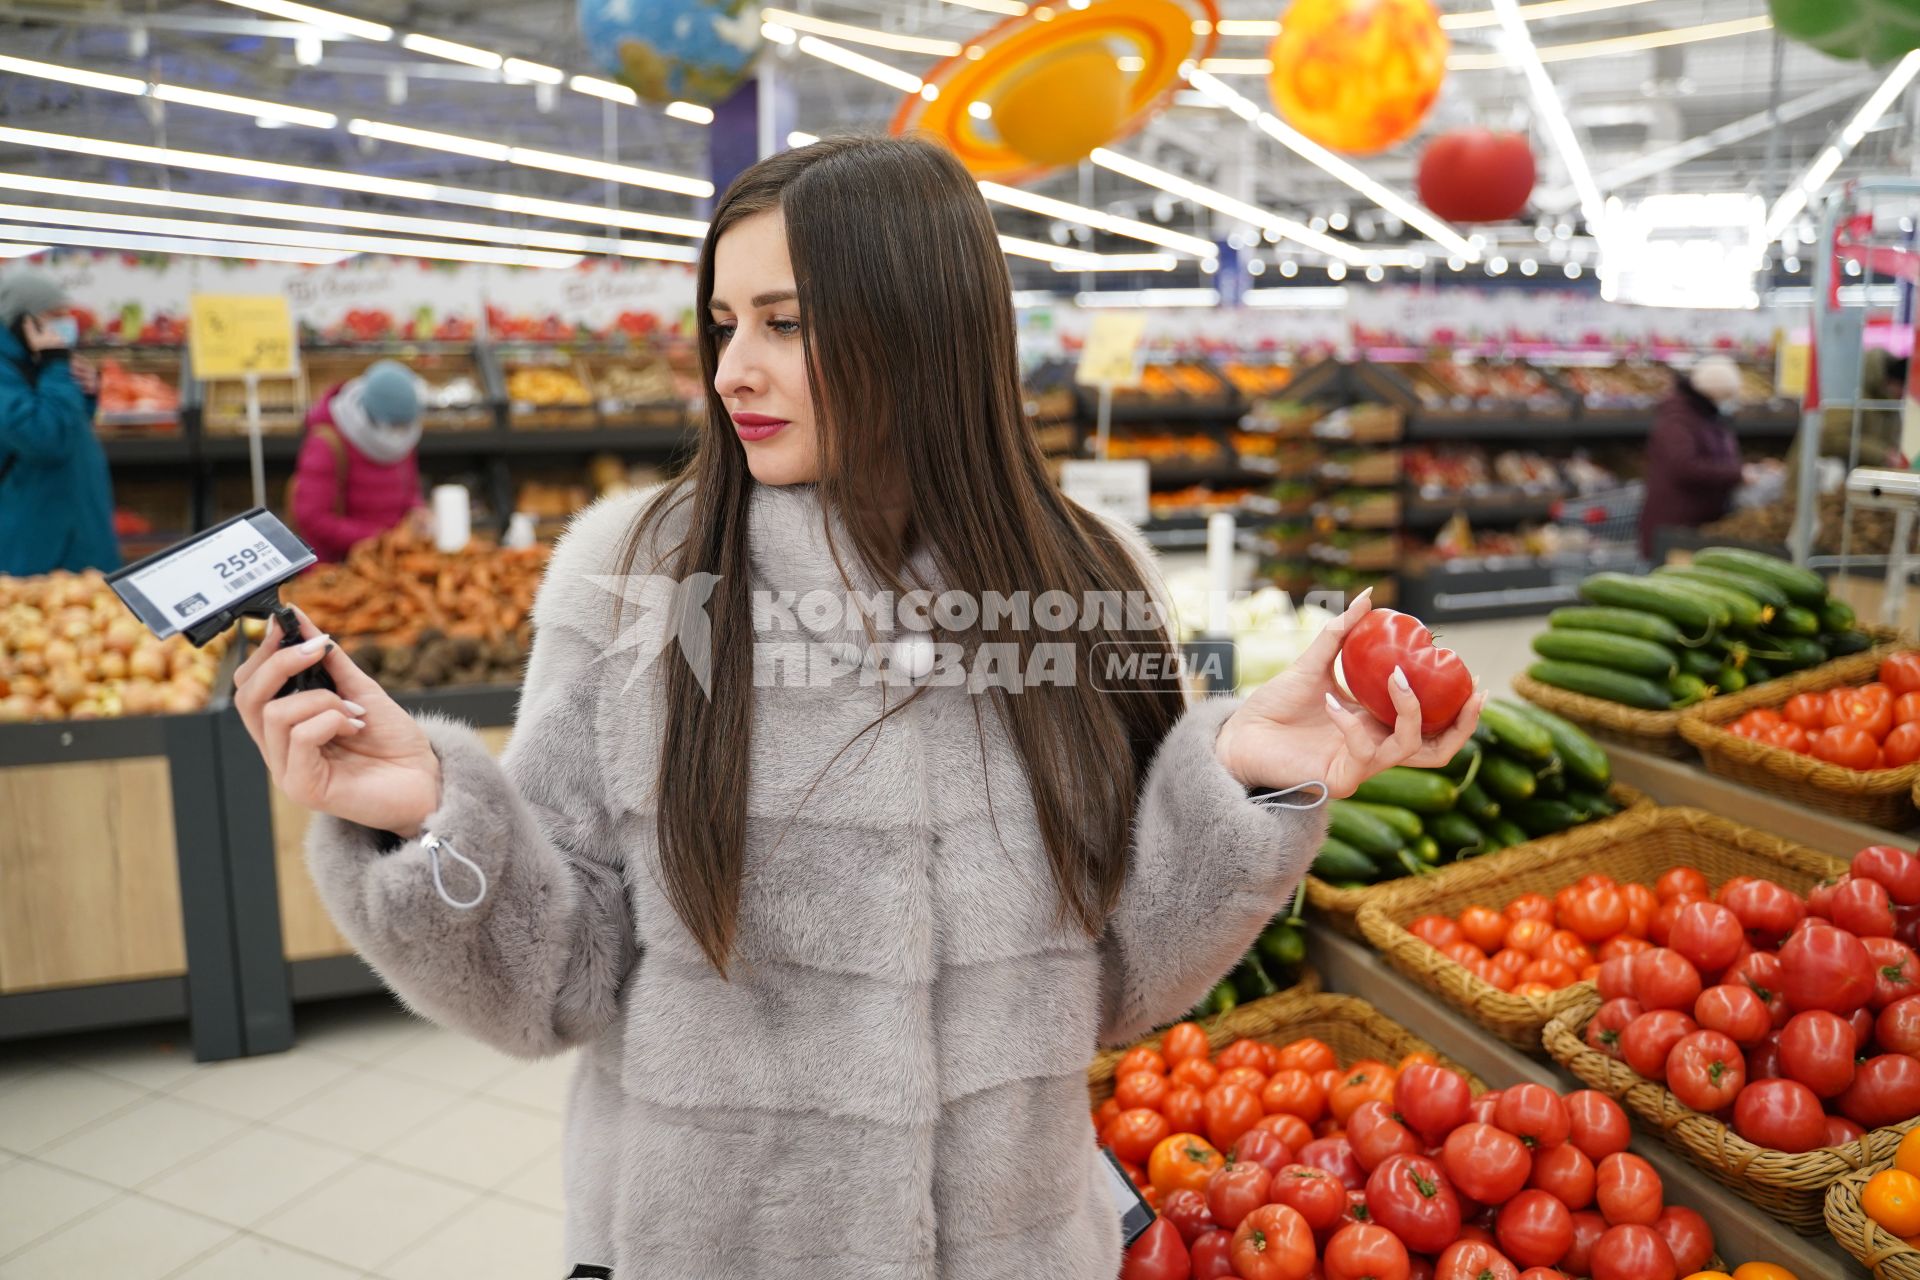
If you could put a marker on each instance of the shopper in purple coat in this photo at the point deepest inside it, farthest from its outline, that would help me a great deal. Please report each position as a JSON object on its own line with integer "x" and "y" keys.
{"x": 358, "y": 475}
{"x": 1693, "y": 456}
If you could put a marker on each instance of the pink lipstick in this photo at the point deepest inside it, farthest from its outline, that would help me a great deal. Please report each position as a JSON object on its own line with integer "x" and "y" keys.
{"x": 756, "y": 426}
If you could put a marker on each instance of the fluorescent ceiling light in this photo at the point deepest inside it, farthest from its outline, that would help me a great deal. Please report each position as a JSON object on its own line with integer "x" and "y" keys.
{"x": 861, "y": 35}
{"x": 1789, "y": 206}
{"x": 691, "y": 112}
{"x": 245, "y": 106}
{"x": 289, "y": 236}
{"x": 1237, "y": 66}
{"x": 1655, "y": 39}
{"x": 1299, "y": 297}
{"x": 532, "y": 158}
{"x": 323, "y": 18}
{"x": 537, "y": 72}
{"x": 22, "y": 250}
{"x": 799, "y": 139}
{"x": 1264, "y": 27}
{"x": 1011, "y": 8}
{"x": 279, "y": 211}
{"x": 1341, "y": 168}
{"x": 432, "y": 140}
{"x": 1267, "y": 28}
{"x": 1019, "y": 198}
{"x": 1117, "y": 262}
{"x": 452, "y": 51}
{"x": 1546, "y": 100}
{"x": 400, "y": 188}
{"x": 861, "y": 64}
{"x": 1150, "y": 298}
{"x": 44, "y": 236}
{"x": 1266, "y": 220}
{"x": 778, "y": 34}
{"x": 73, "y": 75}
{"x": 604, "y": 89}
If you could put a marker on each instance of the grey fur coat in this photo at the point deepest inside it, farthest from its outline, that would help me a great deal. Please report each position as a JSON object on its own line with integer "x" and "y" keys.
{"x": 892, "y": 1085}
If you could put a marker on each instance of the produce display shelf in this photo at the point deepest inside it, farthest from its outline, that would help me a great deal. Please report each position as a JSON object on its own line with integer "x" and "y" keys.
{"x": 137, "y": 450}
{"x": 274, "y": 447}
{"x": 1229, "y": 470}
{"x": 1742, "y": 1232}
{"x": 1490, "y": 587}
{"x": 613, "y": 439}
{"x": 1685, "y": 782}
{"x": 1481, "y": 509}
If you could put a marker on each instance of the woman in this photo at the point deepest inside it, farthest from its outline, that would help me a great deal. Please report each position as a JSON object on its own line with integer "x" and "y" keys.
{"x": 357, "y": 476}
{"x": 56, "y": 500}
{"x": 838, "y": 950}
{"x": 1693, "y": 457}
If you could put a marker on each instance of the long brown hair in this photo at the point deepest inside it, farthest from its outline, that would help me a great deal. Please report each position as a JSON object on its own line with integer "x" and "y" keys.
{"x": 906, "y": 311}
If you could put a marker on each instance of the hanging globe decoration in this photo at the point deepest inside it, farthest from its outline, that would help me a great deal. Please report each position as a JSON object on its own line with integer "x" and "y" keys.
{"x": 1477, "y": 175}
{"x": 1043, "y": 90}
{"x": 1877, "y": 31}
{"x": 1358, "y": 75}
{"x": 667, "y": 50}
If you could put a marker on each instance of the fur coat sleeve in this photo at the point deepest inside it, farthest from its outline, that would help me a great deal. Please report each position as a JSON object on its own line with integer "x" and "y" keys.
{"x": 537, "y": 966}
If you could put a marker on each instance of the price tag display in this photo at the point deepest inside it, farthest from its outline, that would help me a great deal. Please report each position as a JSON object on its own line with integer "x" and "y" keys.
{"x": 1118, "y": 488}
{"x": 234, "y": 335}
{"x": 186, "y": 585}
{"x": 1112, "y": 353}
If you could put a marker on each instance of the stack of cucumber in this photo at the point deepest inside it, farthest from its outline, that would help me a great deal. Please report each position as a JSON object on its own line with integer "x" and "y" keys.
{"x": 1729, "y": 619}
{"x": 1271, "y": 965}
{"x": 1526, "y": 773}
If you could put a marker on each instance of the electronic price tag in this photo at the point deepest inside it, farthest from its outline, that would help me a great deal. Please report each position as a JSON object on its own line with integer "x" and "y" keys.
{"x": 198, "y": 588}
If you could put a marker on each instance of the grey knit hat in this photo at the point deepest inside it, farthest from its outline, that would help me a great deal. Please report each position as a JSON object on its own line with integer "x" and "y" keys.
{"x": 25, "y": 291}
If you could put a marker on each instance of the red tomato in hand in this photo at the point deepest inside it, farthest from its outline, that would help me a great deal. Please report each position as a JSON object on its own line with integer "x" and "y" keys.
{"x": 1384, "y": 639}
{"x": 1632, "y": 1252}
{"x": 1213, "y": 1256}
{"x": 1782, "y": 1114}
{"x": 1473, "y": 1260}
{"x": 1534, "y": 1229}
{"x": 1766, "y": 911}
{"x": 1895, "y": 868}
{"x": 1706, "y": 1071}
{"x": 1362, "y": 1251}
{"x": 1596, "y": 1124}
{"x": 1863, "y": 908}
{"x": 1822, "y": 967}
{"x": 1900, "y": 672}
{"x": 1237, "y": 1190}
{"x": 1734, "y": 1011}
{"x": 1897, "y": 1029}
{"x": 1885, "y": 1090}
{"x": 1273, "y": 1243}
{"x": 1433, "y": 1101}
{"x": 1534, "y": 1114}
{"x": 1604, "y": 1032}
{"x": 1189, "y": 1214}
{"x": 1707, "y": 935}
{"x": 1159, "y": 1254}
{"x": 1649, "y": 1038}
{"x": 1665, "y": 979}
{"x": 1565, "y": 1173}
{"x": 1411, "y": 1197}
{"x": 1688, "y": 1237}
{"x": 1375, "y": 1135}
{"x": 1314, "y": 1193}
{"x": 1486, "y": 1164}
{"x": 1627, "y": 1189}
{"x": 1848, "y": 745}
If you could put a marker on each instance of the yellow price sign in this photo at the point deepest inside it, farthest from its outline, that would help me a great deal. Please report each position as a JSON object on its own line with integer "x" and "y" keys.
{"x": 234, "y": 335}
{"x": 1792, "y": 366}
{"x": 1112, "y": 353}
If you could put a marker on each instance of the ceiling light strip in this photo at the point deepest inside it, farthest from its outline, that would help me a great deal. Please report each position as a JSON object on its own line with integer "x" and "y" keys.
{"x": 44, "y": 236}
{"x": 861, "y": 35}
{"x": 1220, "y": 202}
{"x": 860, "y": 64}
{"x": 1011, "y": 8}
{"x": 1047, "y": 206}
{"x": 1655, "y": 39}
{"x": 1554, "y": 115}
{"x": 325, "y": 19}
{"x": 1827, "y": 163}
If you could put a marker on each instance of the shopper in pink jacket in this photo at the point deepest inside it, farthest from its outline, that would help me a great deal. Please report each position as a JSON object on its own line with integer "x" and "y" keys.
{"x": 358, "y": 475}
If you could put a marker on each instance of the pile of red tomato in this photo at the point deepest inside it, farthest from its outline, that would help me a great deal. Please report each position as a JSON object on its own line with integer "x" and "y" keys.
{"x": 1381, "y": 1172}
{"x": 1872, "y": 726}
{"x": 1796, "y": 1020}
{"x": 1536, "y": 945}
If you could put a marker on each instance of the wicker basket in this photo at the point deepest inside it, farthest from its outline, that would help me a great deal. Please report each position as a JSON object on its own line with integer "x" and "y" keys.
{"x": 1791, "y": 1187}
{"x": 1654, "y": 732}
{"x": 1341, "y": 907}
{"x": 1872, "y": 1245}
{"x": 1879, "y": 798}
{"x": 1352, "y": 1028}
{"x": 1638, "y": 845}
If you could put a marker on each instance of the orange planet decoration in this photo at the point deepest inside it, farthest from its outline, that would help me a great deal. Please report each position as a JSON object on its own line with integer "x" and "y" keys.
{"x": 1043, "y": 90}
{"x": 1358, "y": 75}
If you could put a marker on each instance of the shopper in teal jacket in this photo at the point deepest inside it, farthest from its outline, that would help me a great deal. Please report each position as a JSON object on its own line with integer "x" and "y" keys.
{"x": 56, "y": 501}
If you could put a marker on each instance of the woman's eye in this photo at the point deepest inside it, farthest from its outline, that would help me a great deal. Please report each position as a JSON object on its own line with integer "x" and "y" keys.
{"x": 720, "y": 332}
{"x": 786, "y": 328}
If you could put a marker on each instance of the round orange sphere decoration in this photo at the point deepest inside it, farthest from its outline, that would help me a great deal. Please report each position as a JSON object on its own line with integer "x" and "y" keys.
{"x": 1058, "y": 109}
{"x": 1358, "y": 75}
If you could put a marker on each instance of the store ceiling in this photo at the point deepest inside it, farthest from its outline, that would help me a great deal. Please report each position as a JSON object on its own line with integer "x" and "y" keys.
{"x": 1623, "y": 106}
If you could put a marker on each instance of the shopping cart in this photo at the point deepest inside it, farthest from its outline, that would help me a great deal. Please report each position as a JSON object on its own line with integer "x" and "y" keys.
{"x": 1611, "y": 515}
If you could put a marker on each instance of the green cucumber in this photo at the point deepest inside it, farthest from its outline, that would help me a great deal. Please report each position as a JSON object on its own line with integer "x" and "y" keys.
{"x": 1283, "y": 945}
{"x": 1552, "y": 783}
{"x": 1506, "y": 779}
{"x": 1687, "y": 690}
{"x": 1425, "y": 848}
{"x": 1365, "y": 832}
{"x": 1411, "y": 864}
{"x": 1842, "y": 643}
{"x": 1795, "y": 621}
{"x": 1728, "y": 678}
{"x": 1806, "y": 589}
{"x": 1405, "y": 822}
{"x": 1507, "y": 832}
{"x": 1837, "y": 615}
{"x": 1455, "y": 832}
{"x": 1222, "y": 999}
{"x": 1477, "y": 804}
{"x": 1621, "y": 653}
{"x": 1592, "y": 803}
{"x": 1250, "y": 979}
{"x": 1697, "y": 617}
{"x": 1802, "y": 652}
{"x": 1544, "y": 817}
{"x": 1463, "y": 761}
{"x": 1516, "y": 733}
{"x": 1757, "y": 671}
{"x": 1424, "y": 791}
{"x": 1600, "y": 682}
{"x": 1743, "y": 610}
{"x": 1761, "y": 589}
{"x": 1701, "y": 662}
{"x": 1621, "y": 622}
{"x": 1339, "y": 860}
{"x": 1586, "y": 762}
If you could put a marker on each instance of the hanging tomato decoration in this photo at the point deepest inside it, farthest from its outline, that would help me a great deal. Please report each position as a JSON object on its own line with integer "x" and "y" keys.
{"x": 1477, "y": 175}
{"x": 1358, "y": 75}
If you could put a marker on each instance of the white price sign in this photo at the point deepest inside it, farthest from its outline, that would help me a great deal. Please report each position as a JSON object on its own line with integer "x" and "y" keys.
{"x": 1117, "y": 488}
{"x": 184, "y": 585}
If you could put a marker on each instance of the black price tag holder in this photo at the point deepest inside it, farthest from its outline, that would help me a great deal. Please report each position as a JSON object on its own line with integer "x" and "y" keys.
{"x": 200, "y": 587}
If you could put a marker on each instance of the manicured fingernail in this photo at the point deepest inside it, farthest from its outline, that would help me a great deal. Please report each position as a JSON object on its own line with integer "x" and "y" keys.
{"x": 1400, "y": 678}
{"x": 1333, "y": 703}
{"x": 358, "y": 724}
{"x": 355, "y": 708}
{"x": 318, "y": 644}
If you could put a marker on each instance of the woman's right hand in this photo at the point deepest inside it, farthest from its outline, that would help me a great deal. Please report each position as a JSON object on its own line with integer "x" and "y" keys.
{"x": 353, "y": 754}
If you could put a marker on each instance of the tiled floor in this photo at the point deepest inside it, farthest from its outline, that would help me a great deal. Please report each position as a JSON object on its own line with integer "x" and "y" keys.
{"x": 379, "y": 1148}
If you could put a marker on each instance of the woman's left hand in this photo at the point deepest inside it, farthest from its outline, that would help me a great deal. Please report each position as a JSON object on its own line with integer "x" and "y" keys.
{"x": 1299, "y": 727}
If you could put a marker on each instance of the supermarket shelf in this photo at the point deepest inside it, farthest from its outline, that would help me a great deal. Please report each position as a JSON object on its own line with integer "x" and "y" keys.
{"x": 278, "y": 447}
{"x": 619, "y": 440}
{"x": 1229, "y": 471}
{"x": 133, "y": 451}
{"x": 1743, "y": 1232}
{"x": 1687, "y": 782}
{"x": 1422, "y": 513}
{"x": 1492, "y": 587}
{"x": 1516, "y": 426}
